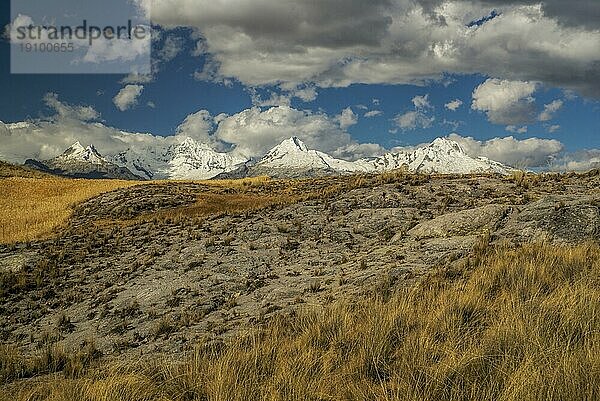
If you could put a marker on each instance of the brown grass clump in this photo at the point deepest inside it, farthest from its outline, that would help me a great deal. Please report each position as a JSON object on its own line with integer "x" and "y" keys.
{"x": 31, "y": 208}
{"x": 521, "y": 325}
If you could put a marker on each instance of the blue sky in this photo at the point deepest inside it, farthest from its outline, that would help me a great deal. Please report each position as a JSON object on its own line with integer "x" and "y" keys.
{"x": 174, "y": 93}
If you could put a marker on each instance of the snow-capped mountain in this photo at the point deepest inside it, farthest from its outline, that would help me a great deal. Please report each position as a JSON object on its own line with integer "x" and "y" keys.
{"x": 292, "y": 158}
{"x": 183, "y": 160}
{"x": 442, "y": 156}
{"x": 77, "y": 153}
{"x": 186, "y": 159}
{"x": 80, "y": 162}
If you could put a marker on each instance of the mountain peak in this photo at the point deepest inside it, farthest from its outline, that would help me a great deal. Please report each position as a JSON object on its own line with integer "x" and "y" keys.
{"x": 77, "y": 152}
{"x": 447, "y": 145}
{"x": 292, "y": 144}
{"x": 77, "y": 147}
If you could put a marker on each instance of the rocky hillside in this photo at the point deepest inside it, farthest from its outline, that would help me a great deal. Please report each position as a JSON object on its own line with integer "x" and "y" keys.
{"x": 156, "y": 268}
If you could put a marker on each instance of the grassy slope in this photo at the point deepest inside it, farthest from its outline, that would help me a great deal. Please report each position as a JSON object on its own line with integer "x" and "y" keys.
{"x": 518, "y": 324}
{"x": 33, "y": 204}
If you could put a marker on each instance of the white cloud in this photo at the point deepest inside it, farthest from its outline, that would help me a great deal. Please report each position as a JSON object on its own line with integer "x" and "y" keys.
{"x": 253, "y": 132}
{"x": 198, "y": 126}
{"x": 550, "y": 109}
{"x": 578, "y": 161}
{"x": 454, "y": 104}
{"x": 172, "y": 46}
{"x": 505, "y": 102}
{"x": 274, "y": 99}
{"x": 421, "y": 102}
{"x": 284, "y": 96}
{"x": 525, "y": 153}
{"x": 373, "y": 113}
{"x": 66, "y": 111}
{"x": 553, "y": 128}
{"x": 128, "y": 97}
{"x": 347, "y": 118}
{"x": 418, "y": 118}
{"x": 47, "y": 138}
{"x": 453, "y": 124}
{"x": 517, "y": 130}
{"x": 413, "y": 119}
{"x": 262, "y": 42}
{"x": 104, "y": 50}
{"x": 304, "y": 93}
{"x": 135, "y": 78}
{"x": 355, "y": 151}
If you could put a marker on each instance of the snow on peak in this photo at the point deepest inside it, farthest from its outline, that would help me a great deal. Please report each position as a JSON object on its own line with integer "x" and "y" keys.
{"x": 446, "y": 145}
{"x": 77, "y": 153}
{"x": 442, "y": 156}
{"x": 291, "y": 145}
{"x": 184, "y": 159}
{"x": 293, "y": 154}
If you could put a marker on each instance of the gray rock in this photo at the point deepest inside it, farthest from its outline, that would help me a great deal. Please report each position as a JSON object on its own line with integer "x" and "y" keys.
{"x": 466, "y": 222}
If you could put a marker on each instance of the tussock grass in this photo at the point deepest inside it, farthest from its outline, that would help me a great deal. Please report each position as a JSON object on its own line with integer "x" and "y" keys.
{"x": 31, "y": 208}
{"x": 518, "y": 324}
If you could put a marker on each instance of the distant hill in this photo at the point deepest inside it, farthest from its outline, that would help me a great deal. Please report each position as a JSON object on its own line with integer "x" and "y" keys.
{"x": 10, "y": 170}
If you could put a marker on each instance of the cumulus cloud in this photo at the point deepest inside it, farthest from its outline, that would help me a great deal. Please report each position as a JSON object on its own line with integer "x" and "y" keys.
{"x": 198, "y": 126}
{"x": 67, "y": 111}
{"x": 454, "y": 104}
{"x": 421, "y": 102}
{"x": 347, "y": 118}
{"x": 505, "y": 102}
{"x": 46, "y": 138}
{"x": 267, "y": 42}
{"x": 128, "y": 97}
{"x": 526, "y": 153}
{"x": 577, "y": 161}
{"x": 550, "y": 109}
{"x": 418, "y": 118}
{"x": 413, "y": 119}
{"x": 253, "y": 132}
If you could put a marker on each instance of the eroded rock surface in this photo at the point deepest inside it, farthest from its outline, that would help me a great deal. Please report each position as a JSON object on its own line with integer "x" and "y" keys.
{"x": 159, "y": 286}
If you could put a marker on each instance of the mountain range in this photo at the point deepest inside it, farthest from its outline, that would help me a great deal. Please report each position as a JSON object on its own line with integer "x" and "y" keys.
{"x": 82, "y": 162}
{"x": 190, "y": 160}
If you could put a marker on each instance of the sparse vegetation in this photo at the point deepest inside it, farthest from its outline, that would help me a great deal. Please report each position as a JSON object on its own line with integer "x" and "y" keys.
{"x": 153, "y": 269}
{"x": 523, "y": 324}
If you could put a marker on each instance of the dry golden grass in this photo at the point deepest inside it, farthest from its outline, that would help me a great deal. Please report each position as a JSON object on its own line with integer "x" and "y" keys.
{"x": 518, "y": 325}
{"x": 11, "y": 170}
{"x": 31, "y": 208}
